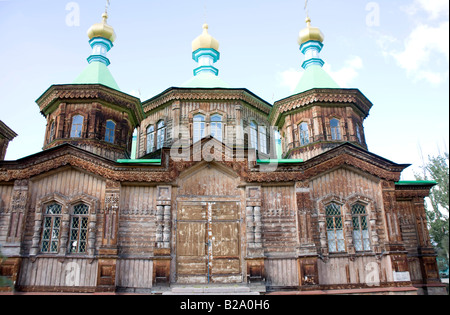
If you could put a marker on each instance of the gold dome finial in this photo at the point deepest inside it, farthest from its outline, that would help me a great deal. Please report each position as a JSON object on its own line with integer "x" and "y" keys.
{"x": 310, "y": 33}
{"x": 205, "y": 41}
{"x": 102, "y": 29}
{"x": 308, "y": 21}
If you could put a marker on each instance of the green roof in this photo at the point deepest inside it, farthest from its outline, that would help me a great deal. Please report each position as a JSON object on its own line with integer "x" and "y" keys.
{"x": 315, "y": 77}
{"x": 280, "y": 161}
{"x": 205, "y": 80}
{"x": 142, "y": 161}
{"x": 97, "y": 73}
{"x": 415, "y": 182}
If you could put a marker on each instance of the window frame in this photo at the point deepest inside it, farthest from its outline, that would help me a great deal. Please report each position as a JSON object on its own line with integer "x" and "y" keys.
{"x": 150, "y": 136}
{"x": 254, "y": 135}
{"x": 53, "y": 218}
{"x": 263, "y": 139}
{"x": 52, "y": 131}
{"x": 82, "y": 218}
{"x": 110, "y": 132}
{"x": 216, "y": 127}
{"x": 304, "y": 139}
{"x": 336, "y": 133}
{"x": 160, "y": 134}
{"x": 333, "y": 228}
{"x": 358, "y": 217}
{"x": 73, "y": 131}
{"x": 358, "y": 133}
{"x": 198, "y": 127}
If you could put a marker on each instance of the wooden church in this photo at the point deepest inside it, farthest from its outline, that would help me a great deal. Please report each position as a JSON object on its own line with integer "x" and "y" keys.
{"x": 218, "y": 189}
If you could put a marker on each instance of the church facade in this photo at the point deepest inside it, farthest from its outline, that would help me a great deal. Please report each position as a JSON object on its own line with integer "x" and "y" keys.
{"x": 219, "y": 187}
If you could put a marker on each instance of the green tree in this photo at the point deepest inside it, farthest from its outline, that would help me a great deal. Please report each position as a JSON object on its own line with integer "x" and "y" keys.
{"x": 4, "y": 282}
{"x": 437, "y": 169}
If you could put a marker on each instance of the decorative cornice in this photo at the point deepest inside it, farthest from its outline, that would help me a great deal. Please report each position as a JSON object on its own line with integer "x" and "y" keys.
{"x": 169, "y": 170}
{"x": 90, "y": 92}
{"x": 203, "y": 94}
{"x": 6, "y": 132}
{"x": 343, "y": 96}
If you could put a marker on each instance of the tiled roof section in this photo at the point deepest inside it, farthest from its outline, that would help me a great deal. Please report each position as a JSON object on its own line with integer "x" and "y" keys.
{"x": 173, "y": 94}
{"x": 297, "y": 101}
{"x": 90, "y": 92}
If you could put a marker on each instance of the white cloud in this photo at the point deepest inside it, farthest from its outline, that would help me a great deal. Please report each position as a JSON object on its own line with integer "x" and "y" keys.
{"x": 424, "y": 53}
{"x": 434, "y": 8}
{"x": 290, "y": 78}
{"x": 424, "y": 45}
{"x": 347, "y": 74}
{"x": 344, "y": 77}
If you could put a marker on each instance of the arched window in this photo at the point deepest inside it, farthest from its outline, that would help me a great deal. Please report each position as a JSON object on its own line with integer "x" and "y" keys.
{"x": 77, "y": 126}
{"x": 160, "y": 135}
{"x": 335, "y": 228}
{"x": 79, "y": 229}
{"x": 51, "y": 228}
{"x": 199, "y": 128}
{"x": 358, "y": 134}
{"x": 254, "y": 135}
{"x": 216, "y": 127}
{"x": 335, "y": 129}
{"x": 304, "y": 133}
{"x": 361, "y": 237}
{"x": 51, "y": 136}
{"x": 110, "y": 131}
{"x": 150, "y": 139}
{"x": 263, "y": 139}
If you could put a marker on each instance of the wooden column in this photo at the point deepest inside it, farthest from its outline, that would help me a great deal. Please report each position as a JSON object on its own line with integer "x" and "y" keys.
{"x": 15, "y": 214}
{"x": 239, "y": 126}
{"x": 255, "y": 251}
{"x": 394, "y": 248}
{"x": 289, "y": 133}
{"x": 307, "y": 252}
{"x": 426, "y": 252}
{"x": 162, "y": 251}
{"x": 108, "y": 251}
{"x": 176, "y": 116}
{"x": 16, "y": 217}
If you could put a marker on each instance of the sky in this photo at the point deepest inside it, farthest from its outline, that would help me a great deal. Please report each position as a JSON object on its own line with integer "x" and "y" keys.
{"x": 396, "y": 52}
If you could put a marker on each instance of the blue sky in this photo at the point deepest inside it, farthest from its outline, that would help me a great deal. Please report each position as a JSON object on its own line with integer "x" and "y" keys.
{"x": 394, "y": 51}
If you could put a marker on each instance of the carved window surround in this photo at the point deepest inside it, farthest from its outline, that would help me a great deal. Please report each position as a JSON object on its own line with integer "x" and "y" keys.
{"x": 67, "y": 204}
{"x": 346, "y": 213}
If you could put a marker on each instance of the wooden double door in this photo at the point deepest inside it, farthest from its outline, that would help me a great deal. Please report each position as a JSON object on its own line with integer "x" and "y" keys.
{"x": 208, "y": 242}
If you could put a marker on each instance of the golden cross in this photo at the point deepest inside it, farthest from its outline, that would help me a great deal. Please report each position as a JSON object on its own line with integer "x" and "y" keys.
{"x": 107, "y": 6}
{"x": 306, "y": 8}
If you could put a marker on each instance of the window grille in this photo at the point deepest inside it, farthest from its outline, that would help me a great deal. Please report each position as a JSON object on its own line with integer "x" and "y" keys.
{"x": 361, "y": 237}
{"x": 51, "y": 229}
{"x": 79, "y": 229}
{"x": 335, "y": 230}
